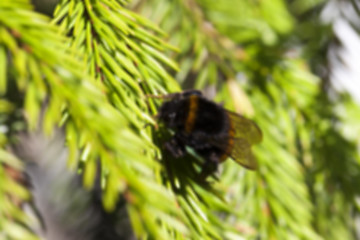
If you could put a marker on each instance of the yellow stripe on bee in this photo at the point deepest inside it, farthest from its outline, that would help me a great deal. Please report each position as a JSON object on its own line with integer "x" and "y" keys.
{"x": 190, "y": 120}
{"x": 230, "y": 143}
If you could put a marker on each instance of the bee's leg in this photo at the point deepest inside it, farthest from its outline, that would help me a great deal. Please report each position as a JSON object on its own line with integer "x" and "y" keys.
{"x": 175, "y": 147}
{"x": 210, "y": 166}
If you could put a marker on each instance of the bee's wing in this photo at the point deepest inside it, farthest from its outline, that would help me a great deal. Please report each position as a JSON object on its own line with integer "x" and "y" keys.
{"x": 241, "y": 153}
{"x": 245, "y": 128}
{"x": 246, "y": 133}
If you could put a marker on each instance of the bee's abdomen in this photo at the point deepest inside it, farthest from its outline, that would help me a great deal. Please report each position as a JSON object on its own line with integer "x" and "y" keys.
{"x": 209, "y": 118}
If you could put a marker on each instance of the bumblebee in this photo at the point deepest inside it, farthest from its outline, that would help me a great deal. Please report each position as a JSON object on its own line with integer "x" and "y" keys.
{"x": 213, "y": 132}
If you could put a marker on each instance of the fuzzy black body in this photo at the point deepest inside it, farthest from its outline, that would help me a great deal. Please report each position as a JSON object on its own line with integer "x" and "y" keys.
{"x": 212, "y": 131}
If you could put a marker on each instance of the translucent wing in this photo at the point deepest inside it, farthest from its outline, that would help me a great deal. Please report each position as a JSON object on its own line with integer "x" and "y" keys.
{"x": 241, "y": 153}
{"x": 246, "y": 133}
{"x": 245, "y": 128}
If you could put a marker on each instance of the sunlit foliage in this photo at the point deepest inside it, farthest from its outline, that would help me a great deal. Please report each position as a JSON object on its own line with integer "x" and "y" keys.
{"x": 90, "y": 68}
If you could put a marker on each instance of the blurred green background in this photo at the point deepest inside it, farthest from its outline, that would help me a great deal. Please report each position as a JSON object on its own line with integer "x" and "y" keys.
{"x": 291, "y": 66}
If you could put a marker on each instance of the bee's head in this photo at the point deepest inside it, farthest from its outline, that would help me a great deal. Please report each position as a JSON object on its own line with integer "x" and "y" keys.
{"x": 168, "y": 113}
